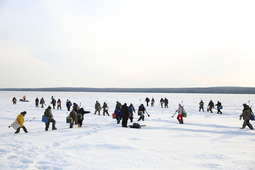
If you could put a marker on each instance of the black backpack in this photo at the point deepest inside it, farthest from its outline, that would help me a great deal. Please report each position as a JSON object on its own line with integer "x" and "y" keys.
{"x": 135, "y": 125}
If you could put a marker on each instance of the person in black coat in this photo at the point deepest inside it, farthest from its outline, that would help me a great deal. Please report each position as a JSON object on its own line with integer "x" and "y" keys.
{"x": 219, "y": 107}
{"x": 125, "y": 115}
{"x": 80, "y": 115}
{"x": 68, "y": 104}
{"x": 141, "y": 111}
{"x": 210, "y": 106}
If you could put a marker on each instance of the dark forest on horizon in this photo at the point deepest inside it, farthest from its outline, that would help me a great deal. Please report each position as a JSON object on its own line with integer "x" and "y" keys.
{"x": 220, "y": 90}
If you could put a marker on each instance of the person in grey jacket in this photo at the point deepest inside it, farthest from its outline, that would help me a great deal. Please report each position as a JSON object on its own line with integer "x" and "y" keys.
{"x": 246, "y": 116}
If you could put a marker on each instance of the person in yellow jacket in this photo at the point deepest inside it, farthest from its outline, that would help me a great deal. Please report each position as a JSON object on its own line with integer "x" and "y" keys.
{"x": 20, "y": 120}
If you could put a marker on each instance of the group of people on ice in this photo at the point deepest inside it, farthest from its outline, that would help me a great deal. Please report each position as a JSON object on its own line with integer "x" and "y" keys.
{"x": 211, "y": 106}
{"x": 122, "y": 113}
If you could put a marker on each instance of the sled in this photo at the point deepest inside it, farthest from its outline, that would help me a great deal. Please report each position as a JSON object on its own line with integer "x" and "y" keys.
{"x": 15, "y": 125}
{"x": 22, "y": 100}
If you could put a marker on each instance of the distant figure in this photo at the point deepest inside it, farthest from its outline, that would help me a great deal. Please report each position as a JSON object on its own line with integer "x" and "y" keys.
{"x": 210, "y": 106}
{"x": 141, "y": 112}
{"x": 131, "y": 110}
{"x": 36, "y": 102}
{"x": 53, "y": 102}
{"x": 162, "y": 102}
{"x": 14, "y": 100}
{"x": 118, "y": 112}
{"x": 105, "y": 109}
{"x": 20, "y": 120}
{"x": 219, "y": 107}
{"x": 152, "y": 102}
{"x": 48, "y": 114}
{"x": 147, "y": 101}
{"x": 246, "y": 114}
{"x": 201, "y": 105}
{"x": 42, "y": 102}
{"x": 166, "y": 102}
{"x": 97, "y": 108}
{"x": 124, "y": 115}
{"x": 24, "y": 98}
{"x": 68, "y": 104}
{"x": 59, "y": 104}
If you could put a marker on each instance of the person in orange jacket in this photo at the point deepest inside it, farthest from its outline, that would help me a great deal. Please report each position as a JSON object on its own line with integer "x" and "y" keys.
{"x": 20, "y": 120}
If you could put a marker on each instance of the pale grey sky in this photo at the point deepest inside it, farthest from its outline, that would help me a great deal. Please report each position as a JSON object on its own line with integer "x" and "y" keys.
{"x": 127, "y": 43}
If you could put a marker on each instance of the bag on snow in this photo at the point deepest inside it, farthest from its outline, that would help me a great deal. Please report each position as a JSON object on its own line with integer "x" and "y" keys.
{"x": 135, "y": 125}
{"x": 45, "y": 119}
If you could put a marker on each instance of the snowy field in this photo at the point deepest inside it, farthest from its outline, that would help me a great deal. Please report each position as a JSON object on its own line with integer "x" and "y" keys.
{"x": 204, "y": 141}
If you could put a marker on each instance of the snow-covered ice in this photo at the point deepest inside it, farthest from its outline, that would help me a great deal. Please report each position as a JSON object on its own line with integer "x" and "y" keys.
{"x": 205, "y": 140}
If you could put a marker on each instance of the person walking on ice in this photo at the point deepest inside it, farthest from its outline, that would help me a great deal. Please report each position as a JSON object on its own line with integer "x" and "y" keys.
{"x": 181, "y": 113}
{"x": 201, "y": 106}
{"x": 246, "y": 115}
{"x": 20, "y": 120}
{"x": 97, "y": 108}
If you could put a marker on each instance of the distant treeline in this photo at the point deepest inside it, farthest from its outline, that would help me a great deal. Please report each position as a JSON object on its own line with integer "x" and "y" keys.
{"x": 224, "y": 90}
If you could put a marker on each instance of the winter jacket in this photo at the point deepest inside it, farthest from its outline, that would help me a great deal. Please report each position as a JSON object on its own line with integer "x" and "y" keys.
{"x": 211, "y": 104}
{"x": 105, "y": 107}
{"x": 48, "y": 113}
{"x": 73, "y": 115}
{"x": 124, "y": 111}
{"x": 20, "y": 119}
{"x": 42, "y": 101}
{"x": 180, "y": 110}
{"x": 246, "y": 114}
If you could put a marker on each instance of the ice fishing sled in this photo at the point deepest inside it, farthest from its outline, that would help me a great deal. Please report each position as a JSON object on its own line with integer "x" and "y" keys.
{"x": 15, "y": 125}
{"x": 22, "y": 100}
{"x": 135, "y": 125}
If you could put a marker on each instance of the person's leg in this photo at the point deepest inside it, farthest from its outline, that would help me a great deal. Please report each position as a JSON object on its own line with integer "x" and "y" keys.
{"x": 24, "y": 128}
{"x": 17, "y": 131}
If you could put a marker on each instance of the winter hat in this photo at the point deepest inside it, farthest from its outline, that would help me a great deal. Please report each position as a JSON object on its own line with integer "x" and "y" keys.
{"x": 23, "y": 113}
{"x": 49, "y": 107}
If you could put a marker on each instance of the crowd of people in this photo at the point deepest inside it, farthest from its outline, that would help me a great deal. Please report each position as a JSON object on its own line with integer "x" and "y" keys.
{"x": 122, "y": 112}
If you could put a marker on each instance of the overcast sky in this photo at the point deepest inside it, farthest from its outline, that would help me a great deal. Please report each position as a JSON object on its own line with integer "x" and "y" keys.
{"x": 127, "y": 43}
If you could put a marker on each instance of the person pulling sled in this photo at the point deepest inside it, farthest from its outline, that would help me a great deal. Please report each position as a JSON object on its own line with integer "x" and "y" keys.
{"x": 19, "y": 123}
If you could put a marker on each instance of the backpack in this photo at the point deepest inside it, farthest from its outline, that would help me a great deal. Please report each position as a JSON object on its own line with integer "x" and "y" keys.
{"x": 135, "y": 125}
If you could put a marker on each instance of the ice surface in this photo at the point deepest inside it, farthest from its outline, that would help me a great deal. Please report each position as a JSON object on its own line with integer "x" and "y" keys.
{"x": 204, "y": 141}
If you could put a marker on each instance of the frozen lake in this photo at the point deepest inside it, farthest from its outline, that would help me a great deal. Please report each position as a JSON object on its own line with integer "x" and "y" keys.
{"x": 204, "y": 141}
